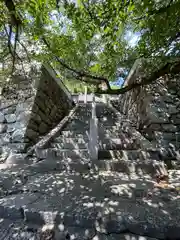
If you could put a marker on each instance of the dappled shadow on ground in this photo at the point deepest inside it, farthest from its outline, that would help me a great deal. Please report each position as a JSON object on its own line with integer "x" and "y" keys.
{"x": 114, "y": 195}
{"x": 105, "y": 201}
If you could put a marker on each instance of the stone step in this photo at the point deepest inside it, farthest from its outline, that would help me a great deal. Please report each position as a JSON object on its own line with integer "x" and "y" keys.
{"x": 133, "y": 167}
{"x": 78, "y": 165}
{"x": 109, "y": 145}
{"x": 75, "y": 134}
{"x": 129, "y": 154}
{"x": 77, "y": 129}
{"x": 118, "y": 144}
{"x": 69, "y": 145}
{"x": 79, "y": 140}
{"x": 52, "y": 153}
{"x": 117, "y": 205}
{"x": 106, "y": 144}
{"x": 115, "y": 134}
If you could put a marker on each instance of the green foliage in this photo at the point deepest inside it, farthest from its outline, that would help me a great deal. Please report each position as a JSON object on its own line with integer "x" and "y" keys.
{"x": 91, "y": 36}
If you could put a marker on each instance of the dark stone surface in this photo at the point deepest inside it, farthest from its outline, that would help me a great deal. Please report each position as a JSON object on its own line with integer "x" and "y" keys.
{"x": 50, "y": 106}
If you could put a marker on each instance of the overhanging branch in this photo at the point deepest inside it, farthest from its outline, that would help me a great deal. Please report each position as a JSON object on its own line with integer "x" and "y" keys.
{"x": 166, "y": 69}
{"x": 80, "y": 75}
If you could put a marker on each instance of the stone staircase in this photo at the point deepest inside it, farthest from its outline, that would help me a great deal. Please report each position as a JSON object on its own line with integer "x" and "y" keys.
{"x": 106, "y": 199}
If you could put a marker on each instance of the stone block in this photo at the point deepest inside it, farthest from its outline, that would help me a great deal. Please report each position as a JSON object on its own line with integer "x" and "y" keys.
{"x": 18, "y": 135}
{"x": 15, "y": 158}
{"x": 40, "y": 104}
{"x": 2, "y": 118}
{"x": 10, "y": 118}
{"x": 175, "y": 119}
{"x": 155, "y": 127}
{"x": 16, "y": 147}
{"x": 10, "y": 206}
{"x": 31, "y": 134}
{"x": 54, "y": 110}
{"x": 3, "y": 128}
{"x": 169, "y": 127}
{"x": 43, "y": 128}
{"x": 24, "y": 106}
{"x": 35, "y": 108}
{"x": 23, "y": 116}
{"x": 9, "y": 110}
{"x": 167, "y": 98}
{"x": 33, "y": 125}
{"x": 172, "y": 109}
{"x": 5, "y": 138}
{"x": 11, "y": 127}
{"x": 36, "y": 117}
{"x": 41, "y": 95}
{"x": 42, "y": 115}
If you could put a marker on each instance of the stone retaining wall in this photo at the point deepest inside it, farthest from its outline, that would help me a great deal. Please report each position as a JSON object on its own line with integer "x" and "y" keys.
{"x": 51, "y": 104}
{"x": 15, "y": 108}
{"x": 30, "y": 109}
{"x": 154, "y": 110}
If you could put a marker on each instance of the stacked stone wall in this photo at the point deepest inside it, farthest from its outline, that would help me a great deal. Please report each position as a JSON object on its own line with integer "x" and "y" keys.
{"x": 51, "y": 104}
{"x": 155, "y": 110}
{"x": 30, "y": 109}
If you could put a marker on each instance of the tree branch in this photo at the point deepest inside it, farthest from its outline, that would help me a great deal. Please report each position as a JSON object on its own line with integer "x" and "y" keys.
{"x": 81, "y": 75}
{"x": 155, "y": 12}
{"x": 166, "y": 69}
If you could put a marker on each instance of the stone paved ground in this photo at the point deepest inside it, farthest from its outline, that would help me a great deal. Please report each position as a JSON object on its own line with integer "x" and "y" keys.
{"x": 65, "y": 196}
{"x": 103, "y": 202}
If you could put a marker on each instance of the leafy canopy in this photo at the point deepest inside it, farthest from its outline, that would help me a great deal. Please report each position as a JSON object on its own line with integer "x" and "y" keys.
{"x": 87, "y": 40}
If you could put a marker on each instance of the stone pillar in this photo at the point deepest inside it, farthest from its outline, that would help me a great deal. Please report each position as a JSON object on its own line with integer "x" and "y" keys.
{"x": 85, "y": 95}
{"x": 93, "y": 139}
{"x": 93, "y": 107}
{"x": 104, "y": 98}
{"x": 93, "y": 136}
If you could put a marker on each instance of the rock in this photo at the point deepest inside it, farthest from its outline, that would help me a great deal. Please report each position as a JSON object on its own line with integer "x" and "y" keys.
{"x": 23, "y": 116}
{"x": 129, "y": 236}
{"x": 3, "y": 128}
{"x": 15, "y": 126}
{"x": 173, "y": 232}
{"x": 9, "y": 109}
{"x": 21, "y": 107}
{"x": 18, "y": 135}
{"x": 31, "y": 134}
{"x": 11, "y": 128}
{"x": 172, "y": 109}
{"x": 36, "y": 117}
{"x": 4, "y": 154}
{"x": 33, "y": 125}
{"x": 43, "y": 128}
{"x": 169, "y": 128}
{"x": 15, "y": 158}
{"x": 2, "y": 118}
{"x": 5, "y": 138}
{"x": 10, "y": 118}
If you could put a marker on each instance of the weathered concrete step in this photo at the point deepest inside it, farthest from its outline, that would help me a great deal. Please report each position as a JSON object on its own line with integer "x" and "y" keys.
{"x": 118, "y": 144}
{"x": 77, "y": 128}
{"x": 138, "y": 167}
{"x": 61, "y": 153}
{"x": 103, "y": 133}
{"x": 79, "y": 139}
{"x": 56, "y": 165}
{"x": 70, "y": 145}
{"x": 129, "y": 154}
{"x": 75, "y": 134}
{"x": 23, "y": 231}
{"x": 79, "y": 202}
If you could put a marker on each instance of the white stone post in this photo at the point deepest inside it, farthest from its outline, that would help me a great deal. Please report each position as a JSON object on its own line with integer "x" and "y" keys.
{"x": 104, "y": 98}
{"x": 85, "y": 95}
{"x": 93, "y": 136}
